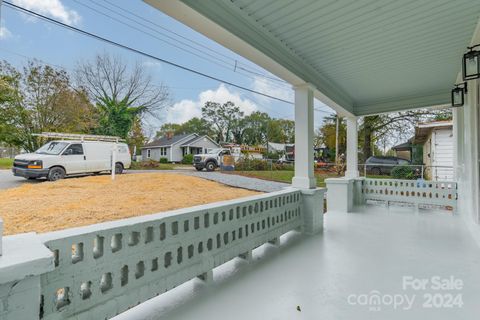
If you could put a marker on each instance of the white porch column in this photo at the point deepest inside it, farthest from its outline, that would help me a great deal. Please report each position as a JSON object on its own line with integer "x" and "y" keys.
{"x": 352, "y": 147}
{"x": 458, "y": 144}
{"x": 304, "y": 177}
{"x": 469, "y": 182}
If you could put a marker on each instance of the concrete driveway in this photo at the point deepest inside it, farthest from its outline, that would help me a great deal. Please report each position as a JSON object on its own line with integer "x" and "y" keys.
{"x": 8, "y": 180}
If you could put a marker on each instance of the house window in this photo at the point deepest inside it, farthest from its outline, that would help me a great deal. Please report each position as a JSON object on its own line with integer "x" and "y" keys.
{"x": 163, "y": 151}
{"x": 148, "y": 153}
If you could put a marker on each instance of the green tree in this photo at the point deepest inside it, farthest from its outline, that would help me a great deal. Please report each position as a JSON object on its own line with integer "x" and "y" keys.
{"x": 326, "y": 134}
{"x": 121, "y": 94}
{"x": 195, "y": 125}
{"x": 136, "y": 139}
{"x": 41, "y": 98}
{"x": 281, "y": 131}
{"x": 255, "y": 128}
{"x": 222, "y": 118}
{"x": 168, "y": 127}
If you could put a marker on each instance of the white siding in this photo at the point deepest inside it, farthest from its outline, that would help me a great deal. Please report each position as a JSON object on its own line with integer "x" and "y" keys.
{"x": 442, "y": 154}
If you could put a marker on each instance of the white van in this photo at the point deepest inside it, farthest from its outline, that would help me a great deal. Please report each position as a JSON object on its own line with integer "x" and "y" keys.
{"x": 58, "y": 159}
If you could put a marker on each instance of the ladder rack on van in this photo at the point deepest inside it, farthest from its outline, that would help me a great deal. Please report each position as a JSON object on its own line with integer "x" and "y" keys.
{"x": 81, "y": 137}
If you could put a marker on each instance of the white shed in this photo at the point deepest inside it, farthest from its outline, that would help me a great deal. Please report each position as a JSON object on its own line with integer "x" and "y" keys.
{"x": 437, "y": 140}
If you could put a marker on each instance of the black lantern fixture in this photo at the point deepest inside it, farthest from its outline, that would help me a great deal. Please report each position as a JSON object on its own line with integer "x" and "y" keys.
{"x": 458, "y": 94}
{"x": 471, "y": 64}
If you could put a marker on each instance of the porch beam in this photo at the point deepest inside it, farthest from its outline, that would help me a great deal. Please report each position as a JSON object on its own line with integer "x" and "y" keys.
{"x": 304, "y": 177}
{"x": 352, "y": 148}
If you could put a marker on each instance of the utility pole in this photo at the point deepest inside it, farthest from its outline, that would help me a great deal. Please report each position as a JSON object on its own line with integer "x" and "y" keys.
{"x": 1, "y": 2}
{"x": 336, "y": 139}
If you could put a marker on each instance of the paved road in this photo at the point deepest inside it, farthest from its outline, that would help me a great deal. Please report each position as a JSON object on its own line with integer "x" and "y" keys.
{"x": 7, "y": 180}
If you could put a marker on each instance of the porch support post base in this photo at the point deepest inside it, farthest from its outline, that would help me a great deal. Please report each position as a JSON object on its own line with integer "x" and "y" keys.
{"x": 24, "y": 260}
{"x": 313, "y": 210}
{"x": 340, "y": 195}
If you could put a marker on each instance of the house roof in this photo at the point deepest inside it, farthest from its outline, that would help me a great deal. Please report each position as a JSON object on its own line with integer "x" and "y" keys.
{"x": 406, "y": 146}
{"x": 195, "y": 139}
{"x": 422, "y": 130}
{"x": 165, "y": 141}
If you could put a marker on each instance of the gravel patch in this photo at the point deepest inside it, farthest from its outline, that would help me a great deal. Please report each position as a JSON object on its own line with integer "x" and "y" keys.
{"x": 230, "y": 180}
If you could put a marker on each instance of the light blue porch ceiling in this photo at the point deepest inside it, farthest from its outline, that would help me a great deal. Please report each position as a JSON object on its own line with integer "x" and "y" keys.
{"x": 368, "y": 56}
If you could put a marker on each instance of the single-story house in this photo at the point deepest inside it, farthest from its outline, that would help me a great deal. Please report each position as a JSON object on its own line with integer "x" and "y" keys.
{"x": 432, "y": 146}
{"x": 175, "y": 147}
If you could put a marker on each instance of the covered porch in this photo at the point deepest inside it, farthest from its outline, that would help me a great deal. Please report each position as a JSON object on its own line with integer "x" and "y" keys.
{"x": 277, "y": 255}
{"x": 368, "y": 253}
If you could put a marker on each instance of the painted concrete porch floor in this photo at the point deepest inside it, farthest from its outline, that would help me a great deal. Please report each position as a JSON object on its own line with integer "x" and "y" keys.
{"x": 356, "y": 254}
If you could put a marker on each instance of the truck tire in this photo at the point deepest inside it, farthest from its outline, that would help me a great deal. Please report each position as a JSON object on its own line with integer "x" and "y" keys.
{"x": 56, "y": 173}
{"x": 210, "y": 166}
{"x": 118, "y": 168}
{"x": 199, "y": 168}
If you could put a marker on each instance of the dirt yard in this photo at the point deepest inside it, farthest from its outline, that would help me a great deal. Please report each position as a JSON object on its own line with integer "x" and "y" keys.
{"x": 77, "y": 202}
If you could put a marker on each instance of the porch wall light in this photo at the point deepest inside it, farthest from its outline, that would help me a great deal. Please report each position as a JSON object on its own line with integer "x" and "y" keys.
{"x": 458, "y": 94}
{"x": 471, "y": 64}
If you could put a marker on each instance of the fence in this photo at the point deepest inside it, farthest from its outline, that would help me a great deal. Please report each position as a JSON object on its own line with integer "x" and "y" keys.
{"x": 102, "y": 270}
{"x": 265, "y": 168}
{"x": 434, "y": 173}
{"x": 420, "y": 193}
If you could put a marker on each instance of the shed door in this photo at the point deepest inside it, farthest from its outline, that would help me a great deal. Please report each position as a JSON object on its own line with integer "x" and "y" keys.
{"x": 442, "y": 154}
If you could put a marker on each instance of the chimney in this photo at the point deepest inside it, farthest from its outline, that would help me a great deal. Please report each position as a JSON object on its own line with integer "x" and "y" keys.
{"x": 169, "y": 135}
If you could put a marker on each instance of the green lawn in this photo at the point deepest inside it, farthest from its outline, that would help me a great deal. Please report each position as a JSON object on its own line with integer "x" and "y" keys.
{"x": 283, "y": 176}
{"x": 6, "y": 163}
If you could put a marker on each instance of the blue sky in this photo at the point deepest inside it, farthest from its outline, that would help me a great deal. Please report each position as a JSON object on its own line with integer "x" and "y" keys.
{"x": 23, "y": 37}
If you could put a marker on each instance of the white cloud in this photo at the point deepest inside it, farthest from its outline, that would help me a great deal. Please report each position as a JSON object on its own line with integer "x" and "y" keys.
{"x": 53, "y": 8}
{"x": 272, "y": 89}
{"x": 186, "y": 109}
{"x": 5, "y": 33}
{"x": 152, "y": 64}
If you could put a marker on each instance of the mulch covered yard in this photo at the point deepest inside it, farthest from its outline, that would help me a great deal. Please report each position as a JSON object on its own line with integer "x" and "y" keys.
{"x": 74, "y": 202}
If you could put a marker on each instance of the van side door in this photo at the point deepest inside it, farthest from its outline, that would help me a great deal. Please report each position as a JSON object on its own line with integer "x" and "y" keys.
{"x": 73, "y": 159}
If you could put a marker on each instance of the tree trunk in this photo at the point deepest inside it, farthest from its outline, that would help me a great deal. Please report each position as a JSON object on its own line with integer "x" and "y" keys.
{"x": 367, "y": 140}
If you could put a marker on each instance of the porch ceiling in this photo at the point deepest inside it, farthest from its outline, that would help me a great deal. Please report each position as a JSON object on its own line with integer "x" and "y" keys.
{"x": 364, "y": 56}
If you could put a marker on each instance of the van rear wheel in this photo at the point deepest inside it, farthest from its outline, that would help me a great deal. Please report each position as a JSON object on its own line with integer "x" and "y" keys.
{"x": 56, "y": 173}
{"x": 118, "y": 168}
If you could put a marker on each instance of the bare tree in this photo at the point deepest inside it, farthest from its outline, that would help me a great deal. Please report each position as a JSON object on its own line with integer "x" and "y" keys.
{"x": 41, "y": 99}
{"x": 121, "y": 94}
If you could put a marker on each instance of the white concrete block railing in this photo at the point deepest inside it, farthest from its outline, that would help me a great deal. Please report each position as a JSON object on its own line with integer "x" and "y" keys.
{"x": 418, "y": 192}
{"x": 99, "y": 271}
{"x": 344, "y": 194}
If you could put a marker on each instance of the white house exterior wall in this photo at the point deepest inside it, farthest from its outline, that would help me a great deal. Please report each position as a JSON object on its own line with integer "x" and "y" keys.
{"x": 442, "y": 154}
{"x": 155, "y": 154}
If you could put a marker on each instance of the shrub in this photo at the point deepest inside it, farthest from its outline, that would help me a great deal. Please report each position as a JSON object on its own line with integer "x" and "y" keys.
{"x": 251, "y": 165}
{"x": 403, "y": 172}
{"x": 163, "y": 160}
{"x": 283, "y": 166}
{"x": 272, "y": 155}
{"x": 187, "y": 159}
{"x": 151, "y": 165}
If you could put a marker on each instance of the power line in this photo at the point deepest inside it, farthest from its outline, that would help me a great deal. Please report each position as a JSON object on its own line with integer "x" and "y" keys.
{"x": 270, "y": 110}
{"x": 181, "y": 36}
{"x": 117, "y": 44}
{"x": 142, "y": 53}
{"x": 220, "y": 62}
